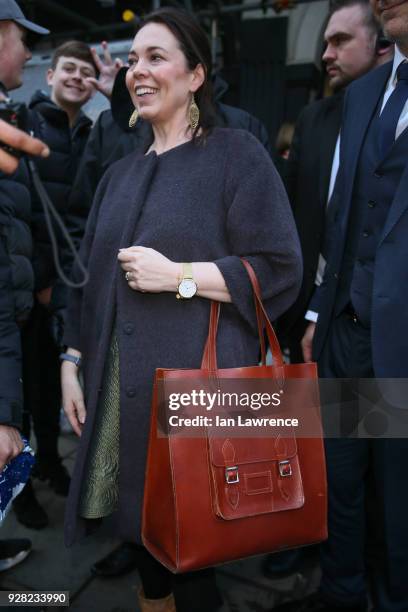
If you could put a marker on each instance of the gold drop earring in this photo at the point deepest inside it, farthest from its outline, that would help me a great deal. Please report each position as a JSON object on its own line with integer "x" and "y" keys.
{"x": 193, "y": 114}
{"x": 133, "y": 118}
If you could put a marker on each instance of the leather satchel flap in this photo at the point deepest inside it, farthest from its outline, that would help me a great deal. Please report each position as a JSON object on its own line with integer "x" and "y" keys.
{"x": 252, "y": 476}
{"x": 251, "y": 450}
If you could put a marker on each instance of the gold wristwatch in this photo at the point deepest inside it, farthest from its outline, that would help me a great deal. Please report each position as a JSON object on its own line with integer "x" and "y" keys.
{"x": 187, "y": 287}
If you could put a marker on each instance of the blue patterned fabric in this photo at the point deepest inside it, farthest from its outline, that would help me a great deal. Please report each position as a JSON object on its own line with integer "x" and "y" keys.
{"x": 13, "y": 478}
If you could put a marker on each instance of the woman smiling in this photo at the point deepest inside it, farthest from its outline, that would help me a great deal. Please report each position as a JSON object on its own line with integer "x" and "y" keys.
{"x": 170, "y": 223}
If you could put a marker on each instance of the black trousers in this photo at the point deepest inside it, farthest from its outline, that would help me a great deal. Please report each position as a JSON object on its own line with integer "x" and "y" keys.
{"x": 353, "y": 465}
{"x": 41, "y": 383}
{"x": 193, "y": 591}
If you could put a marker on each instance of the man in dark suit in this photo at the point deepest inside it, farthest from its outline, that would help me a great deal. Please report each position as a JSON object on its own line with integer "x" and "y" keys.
{"x": 361, "y": 333}
{"x": 353, "y": 47}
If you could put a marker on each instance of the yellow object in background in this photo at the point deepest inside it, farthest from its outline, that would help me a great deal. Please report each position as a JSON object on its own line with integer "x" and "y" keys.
{"x": 128, "y": 15}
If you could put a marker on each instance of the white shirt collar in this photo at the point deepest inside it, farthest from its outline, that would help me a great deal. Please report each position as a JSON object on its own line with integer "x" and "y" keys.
{"x": 398, "y": 58}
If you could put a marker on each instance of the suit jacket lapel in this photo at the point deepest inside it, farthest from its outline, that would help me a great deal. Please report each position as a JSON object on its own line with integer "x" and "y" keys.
{"x": 353, "y": 133}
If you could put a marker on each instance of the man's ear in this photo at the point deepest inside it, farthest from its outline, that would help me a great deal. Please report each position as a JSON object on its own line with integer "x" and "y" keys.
{"x": 382, "y": 44}
{"x": 384, "y": 52}
{"x": 386, "y": 48}
{"x": 50, "y": 76}
{"x": 198, "y": 76}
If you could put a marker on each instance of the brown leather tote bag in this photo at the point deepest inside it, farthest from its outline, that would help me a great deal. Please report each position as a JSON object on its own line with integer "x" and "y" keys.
{"x": 215, "y": 497}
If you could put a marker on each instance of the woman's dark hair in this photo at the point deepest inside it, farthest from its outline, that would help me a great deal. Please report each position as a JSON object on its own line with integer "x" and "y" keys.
{"x": 194, "y": 44}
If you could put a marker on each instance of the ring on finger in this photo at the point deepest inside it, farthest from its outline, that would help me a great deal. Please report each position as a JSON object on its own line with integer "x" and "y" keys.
{"x": 128, "y": 276}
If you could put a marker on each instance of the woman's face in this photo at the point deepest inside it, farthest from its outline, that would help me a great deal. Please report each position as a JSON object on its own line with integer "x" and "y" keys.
{"x": 159, "y": 81}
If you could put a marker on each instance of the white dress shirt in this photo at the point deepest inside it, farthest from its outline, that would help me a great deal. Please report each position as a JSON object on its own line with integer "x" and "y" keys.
{"x": 333, "y": 175}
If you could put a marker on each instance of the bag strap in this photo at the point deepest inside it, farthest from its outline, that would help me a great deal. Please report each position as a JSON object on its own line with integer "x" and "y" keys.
{"x": 209, "y": 361}
{"x": 263, "y": 316}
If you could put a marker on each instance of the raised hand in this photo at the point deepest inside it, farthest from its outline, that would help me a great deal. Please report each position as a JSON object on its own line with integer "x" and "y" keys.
{"x": 108, "y": 69}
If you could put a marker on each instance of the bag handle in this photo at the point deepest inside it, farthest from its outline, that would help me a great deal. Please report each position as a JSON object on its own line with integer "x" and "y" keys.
{"x": 209, "y": 361}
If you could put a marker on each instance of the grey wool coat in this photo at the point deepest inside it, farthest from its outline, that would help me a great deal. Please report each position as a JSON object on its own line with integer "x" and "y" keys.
{"x": 215, "y": 201}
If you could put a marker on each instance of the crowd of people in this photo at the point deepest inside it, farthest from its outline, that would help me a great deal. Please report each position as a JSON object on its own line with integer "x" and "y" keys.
{"x": 134, "y": 193}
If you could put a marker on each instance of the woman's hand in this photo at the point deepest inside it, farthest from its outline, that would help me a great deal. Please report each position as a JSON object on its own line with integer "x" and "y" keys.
{"x": 307, "y": 342}
{"x": 148, "y": 270}
{"x": 11, "y": 444}
{"x": 72, "y": 396}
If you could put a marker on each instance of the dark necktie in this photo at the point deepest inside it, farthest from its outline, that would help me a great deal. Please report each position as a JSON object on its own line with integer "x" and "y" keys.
{"x": 388, "y": 120}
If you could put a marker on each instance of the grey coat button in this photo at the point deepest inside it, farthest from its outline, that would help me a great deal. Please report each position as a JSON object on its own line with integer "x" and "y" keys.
{"x": 128, "y": 328}
{"x": 130, "y": 391}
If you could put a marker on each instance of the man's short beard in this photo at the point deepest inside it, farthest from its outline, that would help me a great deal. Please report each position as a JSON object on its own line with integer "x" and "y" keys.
{"x": 340, "y": 83}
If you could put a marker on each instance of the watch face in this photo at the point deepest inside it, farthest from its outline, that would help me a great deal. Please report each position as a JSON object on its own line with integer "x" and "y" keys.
{"x": 187, "y": 288}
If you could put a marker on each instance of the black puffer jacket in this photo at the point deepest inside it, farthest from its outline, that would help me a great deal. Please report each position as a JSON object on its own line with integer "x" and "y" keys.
{"x": 57, "y": 172}
{"x": 111, "y": 139}
{"x": 11, "y": 396}
{"x": 15, "y": 213}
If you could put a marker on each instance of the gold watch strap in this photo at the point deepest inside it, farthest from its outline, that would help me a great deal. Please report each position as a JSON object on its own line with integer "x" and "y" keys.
{"x": 187, "y": 274}
{"x": 188, "y": 271}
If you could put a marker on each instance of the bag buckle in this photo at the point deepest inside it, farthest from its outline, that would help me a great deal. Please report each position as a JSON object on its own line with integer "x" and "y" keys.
{"x": 231, "y": 475}
{"x": 285, "y": 469}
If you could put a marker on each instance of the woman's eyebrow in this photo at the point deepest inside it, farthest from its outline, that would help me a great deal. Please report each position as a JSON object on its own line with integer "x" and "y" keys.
{"x": 155, "y": 47}
{"x": 149, "y": 49}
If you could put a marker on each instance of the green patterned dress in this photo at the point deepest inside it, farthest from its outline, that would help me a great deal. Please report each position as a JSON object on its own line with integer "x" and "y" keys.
{"x": 99, "y": 494}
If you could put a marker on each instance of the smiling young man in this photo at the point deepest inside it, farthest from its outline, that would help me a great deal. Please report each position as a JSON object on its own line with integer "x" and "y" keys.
{"x": 59, "y": 121}
{"x": 70, "y": 77}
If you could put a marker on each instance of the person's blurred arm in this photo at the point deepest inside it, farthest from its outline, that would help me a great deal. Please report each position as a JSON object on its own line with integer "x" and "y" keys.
{"x": 20, "y": 141}
{"x": 72, "y": 395}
